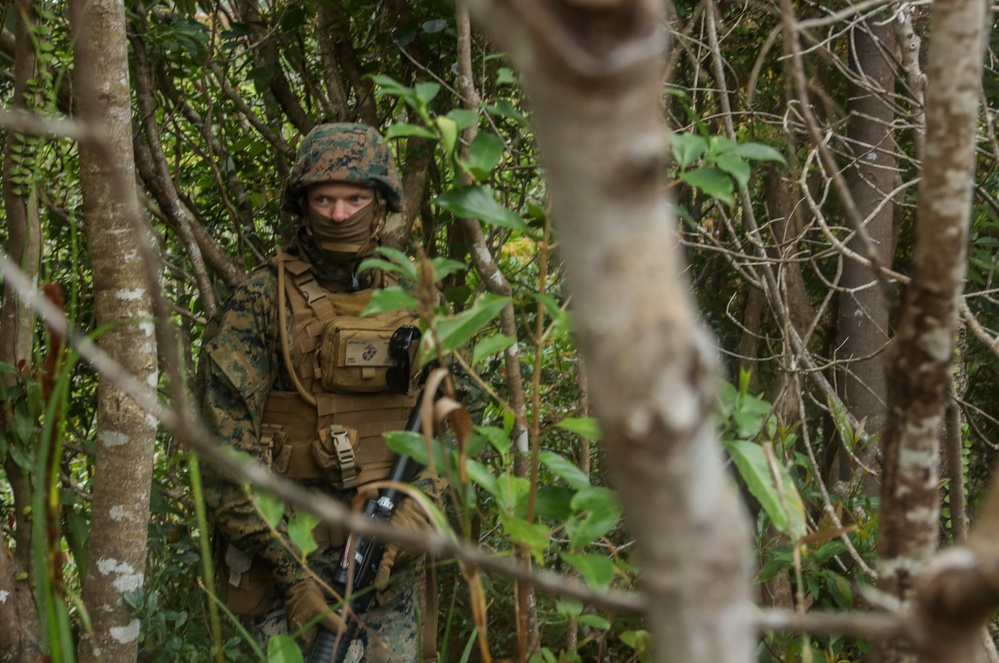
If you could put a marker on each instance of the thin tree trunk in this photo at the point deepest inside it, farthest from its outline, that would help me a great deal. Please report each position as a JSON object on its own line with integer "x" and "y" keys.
{"x": 593, "y": 71}
{"x": 122, "y": 301}
{"x": 20, "y": 635}
{"x": 920, "y": 377}
{"x": 862, "y": 324}
{"x": 496, "y": 282}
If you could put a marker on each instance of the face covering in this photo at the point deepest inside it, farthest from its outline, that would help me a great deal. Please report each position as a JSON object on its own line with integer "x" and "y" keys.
{"x": 351, "y": 239}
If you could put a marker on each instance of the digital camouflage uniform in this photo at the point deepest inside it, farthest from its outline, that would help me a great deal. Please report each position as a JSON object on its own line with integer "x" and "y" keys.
{"x": 242, "y": 364}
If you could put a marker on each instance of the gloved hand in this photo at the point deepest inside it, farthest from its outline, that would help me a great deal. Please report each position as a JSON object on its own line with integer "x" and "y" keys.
{"x": 304, "y": 603}
{"x": 408, "y": 515}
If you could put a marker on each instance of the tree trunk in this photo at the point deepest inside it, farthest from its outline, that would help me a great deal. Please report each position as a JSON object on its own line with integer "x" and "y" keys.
{"x": 920, "y": 376}
{"x": 122, "y": 301}
{"x": 862, "y": 325}
{"x": 20, "y": 635}
{"x": 593, "y": 71}
{"x": 497, "y": 283}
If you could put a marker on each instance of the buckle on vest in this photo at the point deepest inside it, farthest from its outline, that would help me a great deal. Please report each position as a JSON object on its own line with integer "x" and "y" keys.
{"x": 312, "y": 290}
{"x": 340, "y": 437}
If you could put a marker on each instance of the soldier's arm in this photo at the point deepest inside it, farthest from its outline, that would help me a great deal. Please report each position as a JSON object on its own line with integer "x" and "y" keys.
{"x": 238, "y": 367}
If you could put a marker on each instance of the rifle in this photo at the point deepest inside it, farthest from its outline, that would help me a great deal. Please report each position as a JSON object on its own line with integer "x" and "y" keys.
{"x": 330, "y": 646}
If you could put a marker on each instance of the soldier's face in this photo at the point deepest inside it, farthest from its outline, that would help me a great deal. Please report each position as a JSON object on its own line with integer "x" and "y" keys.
{"x": 338, "y": 201}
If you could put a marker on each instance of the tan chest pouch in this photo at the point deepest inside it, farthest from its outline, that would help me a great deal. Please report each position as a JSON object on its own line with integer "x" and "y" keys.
{"x": 354, "y": 356}
{"x": 347, "y": 450}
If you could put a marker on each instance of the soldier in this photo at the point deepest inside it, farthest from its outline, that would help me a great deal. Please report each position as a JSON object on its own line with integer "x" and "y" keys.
{"x": 289, "y": 376}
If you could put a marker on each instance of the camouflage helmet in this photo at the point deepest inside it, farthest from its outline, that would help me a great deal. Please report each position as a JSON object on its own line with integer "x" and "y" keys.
{"x": 343, "y": 152}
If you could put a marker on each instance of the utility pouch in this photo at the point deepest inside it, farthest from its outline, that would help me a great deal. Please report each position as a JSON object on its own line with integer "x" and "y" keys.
{"x": 334, "y": 454}
{"x": 247, "y": 586}
{"x": 354, "y": 353}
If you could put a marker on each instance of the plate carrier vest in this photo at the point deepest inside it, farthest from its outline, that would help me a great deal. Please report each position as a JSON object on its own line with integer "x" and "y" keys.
{"x": 330, "y": 429}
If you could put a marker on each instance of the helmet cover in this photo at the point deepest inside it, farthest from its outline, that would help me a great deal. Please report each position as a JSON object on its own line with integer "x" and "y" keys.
{"x": 343, "y": 152}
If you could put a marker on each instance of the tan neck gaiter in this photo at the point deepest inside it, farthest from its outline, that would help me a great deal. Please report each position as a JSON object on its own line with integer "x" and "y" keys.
{"x": 351, "y": 239}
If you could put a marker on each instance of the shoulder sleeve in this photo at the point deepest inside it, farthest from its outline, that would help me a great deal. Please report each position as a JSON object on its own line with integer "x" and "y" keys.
{"x": 243, "y": 347}
{"x": 238, "y": 366}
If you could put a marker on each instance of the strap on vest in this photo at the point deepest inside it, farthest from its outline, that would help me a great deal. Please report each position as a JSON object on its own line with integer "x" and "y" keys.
{"x": 430, "y": 613}
{"x": 283, "y": 331}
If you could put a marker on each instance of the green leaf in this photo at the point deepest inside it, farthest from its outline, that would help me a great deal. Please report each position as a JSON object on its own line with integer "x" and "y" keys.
{"x": 594, "y": 621}
{"x": 490, "y": 345}
{"x": 564, "y": 468}
{"x": 535, "y": 535}
{"x": 505, "y": 76}
{"x": 24, "y": 425}
{"x": 484, "y": 154}
{"x": 687, "y": 148}
{"x": 569, "y": 607}
{"x": 271, "y": 506}
{"x": 597, "y": 570}
{"x": 637, "y": 640}
{"x": 457, "y": 330}
{"x": 408, "y": 443}
{"x": 386, "y": 85}
{"x": 751, "y": 461}
{"x": 444, "y": 267}
{"x": 513, "y": 494}
{"x": 758, "y": 152}
{"x": 711, "y": 181}
{"x": 463, "y": 118}
{"x": 449, "y": 133}
{"x": 483, "y": 477}
{"x": 300, "y": 531}
{"x": 390, "y": 299}
{"x": 283, "y": 649}
{"x": 261, "y": 77}
{"x": 596, "y": 512}
{"x": 583, "y": 426}
{"x": 479, "y": 202}
{"x": 23, "y": 455}
{"x": 77, "y": 535}
{"x": 403, "y": 129}
{"x": 384, "y": 265}
{"x": 720, "y": 145}
{"x": 498, "y": 438}
{"x": 734, "y": 166}
{"x": 426, "y": 91}
{"x": 562, "y": 318}
{"x": 436, "y": 25}
{"x": 553, "y": 503}
{"x": 841, "y": 419}
{"x": 504, "y": 108}
{"x": 400, "y": 262}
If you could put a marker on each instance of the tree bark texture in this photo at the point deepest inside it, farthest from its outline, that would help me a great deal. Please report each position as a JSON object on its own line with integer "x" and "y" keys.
{"x": 497, "y": 283}
{"x": 862, "y": 326}
{"x": 122, "y": 300}
{"x": 920, "y": 376}
{"x": 19, "y": 638}
{"x": 593, "y": 72}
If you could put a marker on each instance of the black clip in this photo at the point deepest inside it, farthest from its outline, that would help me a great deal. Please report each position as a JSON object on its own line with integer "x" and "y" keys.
{"x": 401, "y": 350}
